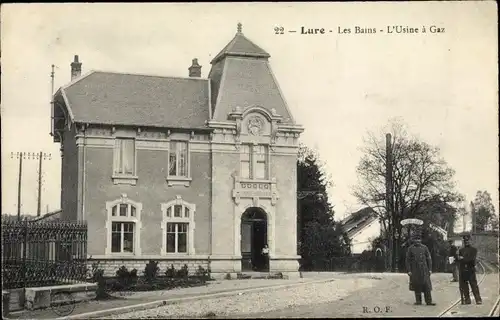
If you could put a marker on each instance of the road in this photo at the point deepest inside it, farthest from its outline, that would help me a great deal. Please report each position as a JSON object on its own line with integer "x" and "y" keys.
{"x": 391, "y": 298}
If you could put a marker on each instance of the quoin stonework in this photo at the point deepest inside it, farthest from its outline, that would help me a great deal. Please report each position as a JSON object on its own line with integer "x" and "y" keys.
{"x": 197, "y": 171}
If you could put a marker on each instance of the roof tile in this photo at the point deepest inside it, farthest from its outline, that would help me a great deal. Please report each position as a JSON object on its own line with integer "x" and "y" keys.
{"x": 127, "y": 99}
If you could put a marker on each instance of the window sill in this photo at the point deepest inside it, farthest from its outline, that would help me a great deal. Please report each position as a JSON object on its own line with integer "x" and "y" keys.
{"x": 179, "y": 181}
{"x": 118, "y": 255}
{"x": 250, "y": 180}
{"x": 131, "y": 180}
{"x": 177, "y": 255}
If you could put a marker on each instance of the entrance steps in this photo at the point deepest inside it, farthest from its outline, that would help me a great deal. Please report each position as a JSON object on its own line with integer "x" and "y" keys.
{"x": 259, "y": 275}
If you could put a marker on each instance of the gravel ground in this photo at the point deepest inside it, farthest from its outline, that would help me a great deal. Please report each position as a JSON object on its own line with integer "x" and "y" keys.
{"x": 255, "y": 302}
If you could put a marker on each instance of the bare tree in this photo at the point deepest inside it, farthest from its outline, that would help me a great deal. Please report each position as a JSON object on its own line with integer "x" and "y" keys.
{"x": 420, "y": 176}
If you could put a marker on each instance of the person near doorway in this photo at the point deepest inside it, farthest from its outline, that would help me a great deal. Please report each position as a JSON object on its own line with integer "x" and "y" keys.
{"x": 265, "y": 256}
{"x": 419, "y": 266}
{"x": 467, "y": 272}
{"x": 453, "y": 260}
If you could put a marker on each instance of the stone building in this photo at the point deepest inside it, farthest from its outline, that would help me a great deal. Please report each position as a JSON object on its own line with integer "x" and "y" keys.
{"x": 189, "y": 170}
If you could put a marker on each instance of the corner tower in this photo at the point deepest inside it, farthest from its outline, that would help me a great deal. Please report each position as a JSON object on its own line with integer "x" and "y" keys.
{"x": 254, "y": 146}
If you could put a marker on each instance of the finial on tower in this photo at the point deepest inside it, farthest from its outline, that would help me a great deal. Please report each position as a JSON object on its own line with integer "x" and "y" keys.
{"x": 239, "y": 27}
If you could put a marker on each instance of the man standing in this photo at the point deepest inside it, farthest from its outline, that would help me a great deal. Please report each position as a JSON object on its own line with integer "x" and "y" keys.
{"x": 419, "y": 266}
{"x": 453, "y": 260}
{"x": 467, "y": 265}
{"x": 265, "y": 257}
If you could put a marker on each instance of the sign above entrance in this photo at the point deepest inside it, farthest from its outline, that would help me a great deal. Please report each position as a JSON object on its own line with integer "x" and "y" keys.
{"x": 417, "y": 222}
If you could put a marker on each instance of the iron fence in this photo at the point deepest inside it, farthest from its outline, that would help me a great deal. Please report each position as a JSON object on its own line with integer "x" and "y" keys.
{"x": 43, "y": 253}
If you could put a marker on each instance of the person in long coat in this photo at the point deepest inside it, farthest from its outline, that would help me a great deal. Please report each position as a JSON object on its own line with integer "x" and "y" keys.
{"x": 467, "y": 263}
{"x": 419, "y": 266}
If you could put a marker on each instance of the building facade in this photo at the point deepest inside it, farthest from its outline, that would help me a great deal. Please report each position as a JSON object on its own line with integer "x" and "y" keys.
{"x": 196, "y": 171}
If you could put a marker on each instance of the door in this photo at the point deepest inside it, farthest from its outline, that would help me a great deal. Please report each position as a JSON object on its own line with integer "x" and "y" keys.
{"x": 246, "y": 245}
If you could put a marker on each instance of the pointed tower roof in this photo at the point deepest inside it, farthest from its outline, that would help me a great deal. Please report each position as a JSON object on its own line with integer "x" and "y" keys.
{"x": 241, "y": 46}
{"x": 241, "y": 77}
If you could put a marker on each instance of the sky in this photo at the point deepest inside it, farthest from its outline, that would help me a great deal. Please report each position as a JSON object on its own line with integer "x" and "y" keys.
{"x": 338, "y": 86}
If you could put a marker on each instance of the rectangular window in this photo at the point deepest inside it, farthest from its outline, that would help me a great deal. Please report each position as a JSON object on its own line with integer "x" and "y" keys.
{"x": 246, "y": 164}
{"x": 260, "y": 153}
{"x": 124, "y": 156}
{"x": 122, "y": 237}
{"x": 254, "y": 162}
{"x": 177, "y": 237}
{"x": 178, "y": 159}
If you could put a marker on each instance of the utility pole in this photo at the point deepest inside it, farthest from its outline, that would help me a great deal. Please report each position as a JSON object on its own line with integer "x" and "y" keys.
{"x": 390, "y": 203}
{"x": 19, "y": 155}
{"x": 52, "y": 102}
{"x": 473, "y": 217}
{"x": 39, "y": 207}
{"x": 463, "y": 221}
{"x": 30, "y": 155}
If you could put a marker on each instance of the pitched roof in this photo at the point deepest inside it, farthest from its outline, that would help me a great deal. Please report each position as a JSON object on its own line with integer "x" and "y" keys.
{"x": 241, "y": 46}
{"x": 129, "y": 99}
{"x": 358, "y": 221}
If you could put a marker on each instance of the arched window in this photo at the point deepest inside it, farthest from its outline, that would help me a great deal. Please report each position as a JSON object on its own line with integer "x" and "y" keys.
{"x": 123, "y": 226}
{"x": 178, "y": 227}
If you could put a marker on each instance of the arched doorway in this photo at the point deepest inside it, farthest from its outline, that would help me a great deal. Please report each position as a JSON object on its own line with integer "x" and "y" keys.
{"x": 253, "y": 240}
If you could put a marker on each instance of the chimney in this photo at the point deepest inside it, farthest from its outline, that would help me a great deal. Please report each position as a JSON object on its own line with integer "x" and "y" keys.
{"x": 76, "y": 68}
{"x": 195, "y": 69}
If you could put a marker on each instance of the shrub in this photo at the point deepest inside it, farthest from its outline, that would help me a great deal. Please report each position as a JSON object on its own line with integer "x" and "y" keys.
{"x": 228, "y": 276}
{"x": 170, "y": 272}
{"x": 97, "y": 276}
{"x": 133, "y": 273}
{"x": 183, "y": 272}
{"x": 125, "y": 277}
{"x": 151, "y": 270}
{"x": 202, "y": 273}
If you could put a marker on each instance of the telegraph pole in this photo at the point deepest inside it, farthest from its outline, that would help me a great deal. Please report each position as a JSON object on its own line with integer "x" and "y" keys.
{"x": 39, "y": 207}
{"x": 389, "y": 202}
{"x": 20, "y": 155}
{"x": 30, "y": 155}
{"x": 52, "y": 102}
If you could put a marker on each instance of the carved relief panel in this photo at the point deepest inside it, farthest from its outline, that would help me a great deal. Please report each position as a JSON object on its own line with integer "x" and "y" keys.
{"x": 255, "y": 124}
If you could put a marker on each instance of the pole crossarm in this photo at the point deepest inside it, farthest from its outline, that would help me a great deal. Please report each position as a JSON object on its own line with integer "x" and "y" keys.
{"x": 31, "y": 155}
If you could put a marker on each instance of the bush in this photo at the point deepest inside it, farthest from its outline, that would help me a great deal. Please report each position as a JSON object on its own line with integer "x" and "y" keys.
{"x": 125, "y": 277}
{"x": 151, "y": 270}
{"x": 170, "y": 272}
{"x": 202, "y": 273}
{"x": 97, "y": 276}
{"x": 183, "y": 272}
